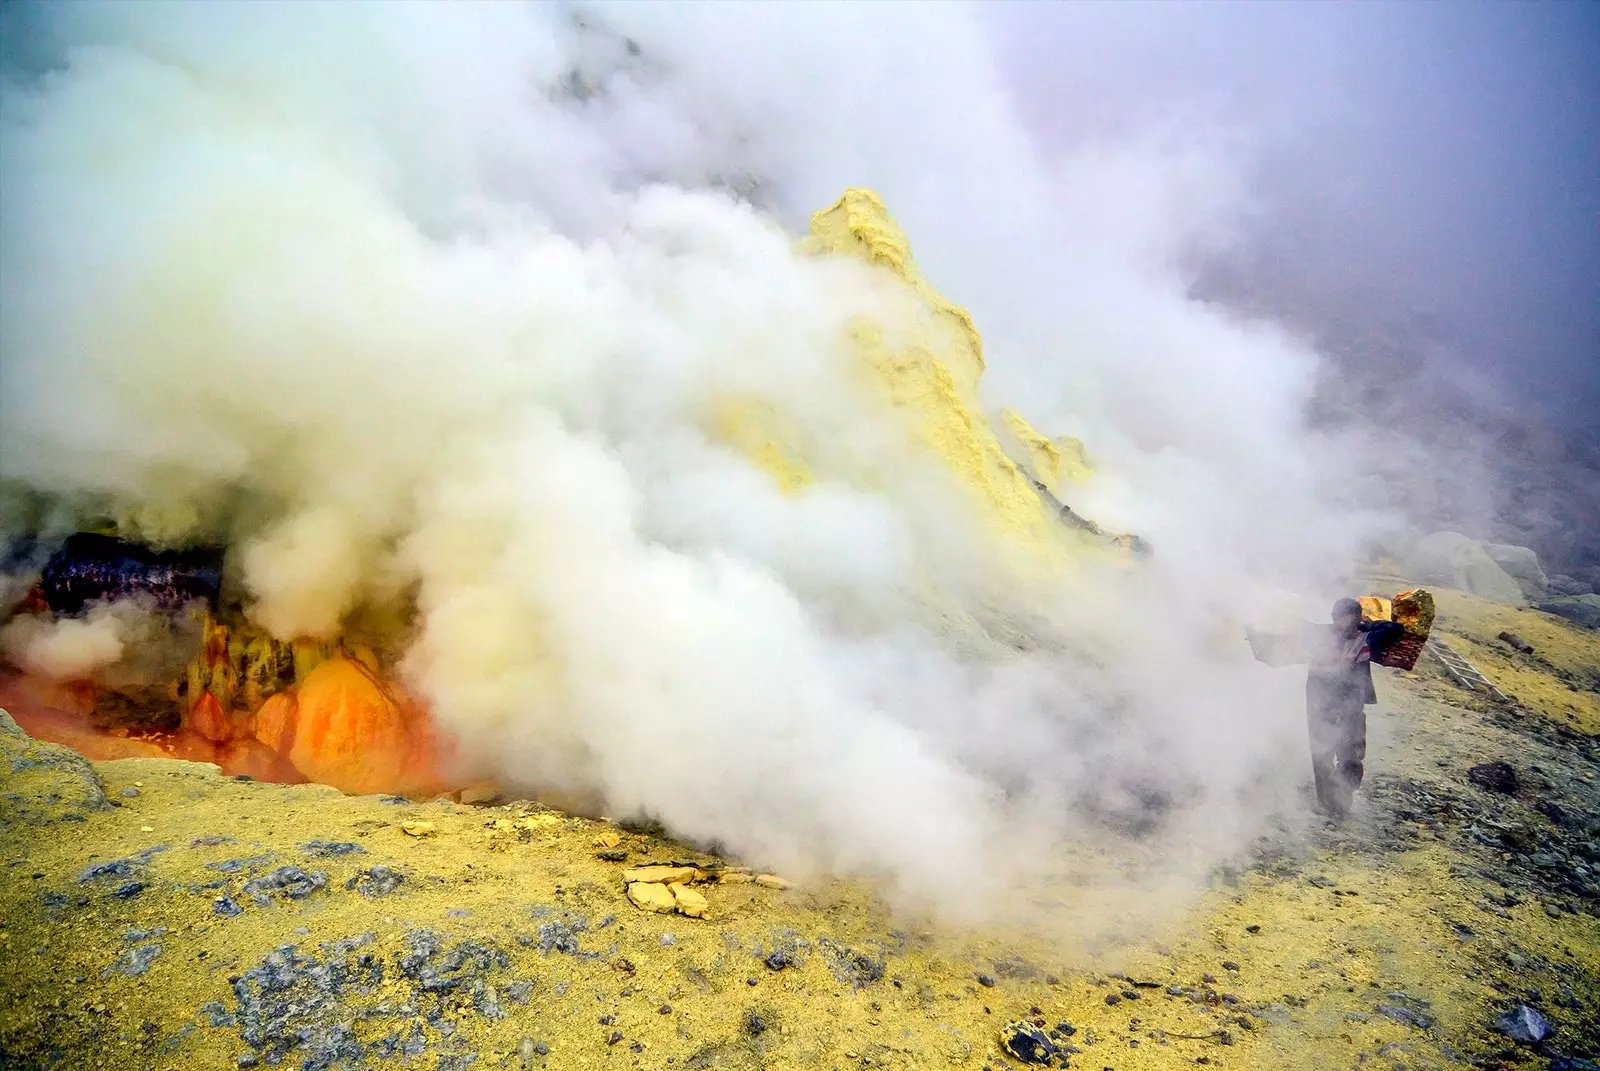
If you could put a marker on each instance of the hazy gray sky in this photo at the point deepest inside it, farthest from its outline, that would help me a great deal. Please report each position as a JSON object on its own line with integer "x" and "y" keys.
{"x": 1430, "y": 156}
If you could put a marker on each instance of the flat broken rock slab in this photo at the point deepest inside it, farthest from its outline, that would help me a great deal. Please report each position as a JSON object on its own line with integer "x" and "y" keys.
{"x": 688, "y": 901}
{"x": 664, "y": 874}
{"x": 652, "y": 896}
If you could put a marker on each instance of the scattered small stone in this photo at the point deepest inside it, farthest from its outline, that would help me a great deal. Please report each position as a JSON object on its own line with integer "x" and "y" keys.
{"x": 530, "y": 1049}
{"x": 376, "y": 881}
{"x": 1208, "y": 978}
{"x": 130, "y": 792}
{"x": 665, "y": 1009}
{"x": 326, "y": 848}
{"x": 986, "y": 980}
{"x": 291, "y": 881}
{"x": 1524, "y": 1024}
{"x": 754, "y": 1025}
{"x": 613, "y": 1037}
{"x": 612, "y": 855}
{"x": 119, "y": 868}
{"x": 561, "y": 936}
{"x": 1229, "y": 965}
{"x": 133, "y": 962}
{"x": 130, "y": 889}
{"x": 1252, "y": 929}
{"x": 778, "y": 960}
{"x": 1112, "y": 998}
{"x": 226, "y": 906}
{"x": 1405, "y": 1016}
{"x": 750, "y": 981}
{"x": 850, "y": 965}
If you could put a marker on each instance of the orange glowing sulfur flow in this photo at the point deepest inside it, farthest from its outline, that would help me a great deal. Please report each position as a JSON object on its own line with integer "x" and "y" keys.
{"x": 257, "y": 708}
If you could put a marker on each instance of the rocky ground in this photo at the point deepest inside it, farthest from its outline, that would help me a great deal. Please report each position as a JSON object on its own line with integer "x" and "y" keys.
{"x": 157, "y": 915}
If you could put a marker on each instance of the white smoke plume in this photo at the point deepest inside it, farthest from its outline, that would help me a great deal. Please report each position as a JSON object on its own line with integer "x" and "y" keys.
{"x": 437, "y": 301}
{"x": 120, "y": 644}
{"x": 69, "y": 649}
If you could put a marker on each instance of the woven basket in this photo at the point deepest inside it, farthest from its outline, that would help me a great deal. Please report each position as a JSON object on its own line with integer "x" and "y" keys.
{"x": 1403, "y": 653}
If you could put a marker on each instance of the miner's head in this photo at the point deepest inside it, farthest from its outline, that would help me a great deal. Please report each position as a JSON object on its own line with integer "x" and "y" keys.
{"x": 1346, "y": 615}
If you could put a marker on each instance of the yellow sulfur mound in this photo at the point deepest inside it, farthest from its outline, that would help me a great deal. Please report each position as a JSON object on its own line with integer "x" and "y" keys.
{"x": 1053, "y": 463}
{"x": 933, "y": 374}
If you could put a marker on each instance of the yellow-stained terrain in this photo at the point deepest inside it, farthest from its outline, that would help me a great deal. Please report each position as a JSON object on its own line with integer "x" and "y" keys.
{"x": 174, "y": 918}
{"x": 156, "y": 914}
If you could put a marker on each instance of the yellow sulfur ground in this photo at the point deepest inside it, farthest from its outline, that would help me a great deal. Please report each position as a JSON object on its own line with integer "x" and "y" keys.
{"x": 1327, "y": 953}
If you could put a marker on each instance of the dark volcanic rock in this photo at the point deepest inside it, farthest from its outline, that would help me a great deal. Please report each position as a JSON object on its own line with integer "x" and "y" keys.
{"x": 1560, "y": 584}
{"x": 1406, "y": 1016}
{"x": 133, "y": 962}
{"x": 234, "y": 866}
{"x": 1524, "y": 1024}
{"x": 851, "y": 965}
{"x": 1025, "y": 1042}
{"x": 288, "y": 881}
{"x": 1579, "y": 609}
{"x": 1515, "y": 642}
{"x": 1494, "y": 777}
{"x": 437, "y": 969}
{"x": 294, "y": 1003}
{"x": 120, "y": 868}
{"x": 1558, "y": 1062}
{"x": 376, "y": 881}
{"x": 326, "y": 848}
{"x": 561, "y": 936}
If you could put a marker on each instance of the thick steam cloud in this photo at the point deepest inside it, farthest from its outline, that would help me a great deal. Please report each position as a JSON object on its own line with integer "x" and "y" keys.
{"x": 443, "y": 307}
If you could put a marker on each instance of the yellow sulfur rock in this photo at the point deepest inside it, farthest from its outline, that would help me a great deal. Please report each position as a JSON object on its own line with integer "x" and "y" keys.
{"x": 487, "y": 792}
{"x": 662, "y": 873}
{"x": 543, "y": 820}
{"x": 735, "y": 877}
{"x": 608, "y": 839}
{"x": 689, "y": 901}
{"x": 417, "y": 828}
{"x": 771, "y": 881}
{"x": 1052, "y": 463}
{"x": 932, "y": 373}
{"x": 651, "y": 896}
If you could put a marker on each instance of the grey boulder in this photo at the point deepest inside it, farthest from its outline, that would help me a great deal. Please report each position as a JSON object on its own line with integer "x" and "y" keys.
{"x": 1461, "y": 562}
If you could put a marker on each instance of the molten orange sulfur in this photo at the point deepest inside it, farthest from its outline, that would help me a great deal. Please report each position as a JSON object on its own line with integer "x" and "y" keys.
{"x": 340, "y": 726}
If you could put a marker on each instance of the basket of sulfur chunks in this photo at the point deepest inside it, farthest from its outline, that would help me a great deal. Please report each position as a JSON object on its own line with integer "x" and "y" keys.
{"x": 1414, "y": 611}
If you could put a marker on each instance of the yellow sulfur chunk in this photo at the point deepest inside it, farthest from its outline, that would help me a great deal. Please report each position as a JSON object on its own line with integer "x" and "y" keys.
{"x": 652, "y": 896}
